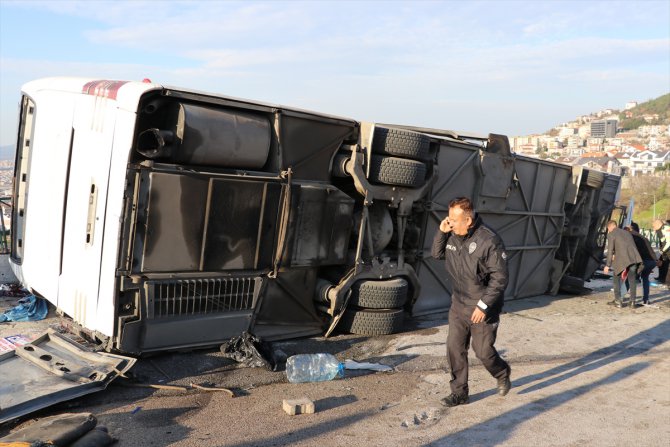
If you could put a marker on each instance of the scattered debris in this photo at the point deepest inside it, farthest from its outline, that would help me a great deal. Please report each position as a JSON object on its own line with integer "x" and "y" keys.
{"x": 10, "y": 343}
{"x": 351, "y": 364}
{"x": 425, "y": 417}
{"x": 436, "y": 343}
{"x": 389, "y": 405}
{"x": 69, "y": 429}
{"x": 13, "y": 290}
{"x": 98, "y": 437}
{"x": 212, "y": 388}
{"x": 30, "y": 308}
{"x": 158, "y": 386}
{"x": 249, "y": 350}
{"x": 53, "y": 359}
{"x": 154, "y": 386}
{"x": 523, "y": 316}
{"x": 298, "y": 406}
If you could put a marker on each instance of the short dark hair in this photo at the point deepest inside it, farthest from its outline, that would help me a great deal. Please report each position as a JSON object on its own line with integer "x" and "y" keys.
{"x": 635, "y": 227}
{"x": 463, "y": 203}
{"x": 612, "y": 222}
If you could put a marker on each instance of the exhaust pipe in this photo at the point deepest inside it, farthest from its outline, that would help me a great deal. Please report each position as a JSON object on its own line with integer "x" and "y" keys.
{"x": 155, "y": 143}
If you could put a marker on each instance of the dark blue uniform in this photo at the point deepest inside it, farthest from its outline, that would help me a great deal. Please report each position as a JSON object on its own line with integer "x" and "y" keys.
{"x": 476, "y": 265}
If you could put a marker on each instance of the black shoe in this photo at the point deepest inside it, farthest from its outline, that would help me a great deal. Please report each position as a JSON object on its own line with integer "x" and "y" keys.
{"x": 504, "y": 383}
{"x": 454, "y": 399}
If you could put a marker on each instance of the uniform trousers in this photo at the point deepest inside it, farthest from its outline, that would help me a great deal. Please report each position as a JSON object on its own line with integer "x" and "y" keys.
{"x": 483, "y": 336}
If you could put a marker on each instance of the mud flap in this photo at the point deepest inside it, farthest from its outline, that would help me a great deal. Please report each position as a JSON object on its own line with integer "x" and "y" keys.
{"x": 338, "y": 317}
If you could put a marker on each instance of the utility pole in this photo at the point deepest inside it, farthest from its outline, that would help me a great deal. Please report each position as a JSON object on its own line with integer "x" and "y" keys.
{"x": 654, "y": 197}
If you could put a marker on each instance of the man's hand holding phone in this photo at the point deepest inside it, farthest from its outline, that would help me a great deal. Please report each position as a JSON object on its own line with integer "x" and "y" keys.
{"x": 445, "y": 226}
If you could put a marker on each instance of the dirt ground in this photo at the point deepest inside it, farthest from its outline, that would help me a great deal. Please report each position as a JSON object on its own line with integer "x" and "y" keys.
{"x": 583, "y": 374}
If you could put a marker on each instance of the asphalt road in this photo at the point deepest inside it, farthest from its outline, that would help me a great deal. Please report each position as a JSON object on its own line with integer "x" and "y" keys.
{"x": 584, "y": 373}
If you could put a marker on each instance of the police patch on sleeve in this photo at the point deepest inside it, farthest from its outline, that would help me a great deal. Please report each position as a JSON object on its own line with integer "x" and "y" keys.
{"x": 472, "y": 247}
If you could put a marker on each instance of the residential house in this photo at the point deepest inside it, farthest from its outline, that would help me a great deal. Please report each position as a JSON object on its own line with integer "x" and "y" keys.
{"x": 567, "y": 160}
{"x": 658, "y": 144}
{"x": 604, "y": 112}
{"x": 554, "y": 145}
{"x": 575, "y": 141}
{"x": 565, "y": 132}
{"x": 624, "y": 159}
{"x": 602, "y": 163}
{"x": 651, "y": 131}
{"x": 646, "y": 162}
{"x": 584, "y": 131}
{"x": 628, "y": 135}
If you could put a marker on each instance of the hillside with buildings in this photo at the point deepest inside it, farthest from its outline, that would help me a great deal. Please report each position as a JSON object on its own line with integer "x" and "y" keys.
{"x": 6, "y": 169}
{"x": 632, "y": 141}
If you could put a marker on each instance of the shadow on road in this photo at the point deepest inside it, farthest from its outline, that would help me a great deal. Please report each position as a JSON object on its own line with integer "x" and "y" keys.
{"x": 507, "y": 422}
{"x": 305, "y": 433}
{"x": 629, "y": 347}
{"x": 330, "y": 403}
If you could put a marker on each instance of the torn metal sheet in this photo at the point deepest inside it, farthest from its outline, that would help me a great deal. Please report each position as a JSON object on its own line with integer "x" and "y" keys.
{"x": 53, "y": 369}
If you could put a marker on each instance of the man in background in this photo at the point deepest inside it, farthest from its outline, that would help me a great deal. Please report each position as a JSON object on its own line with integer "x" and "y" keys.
{"x": 624, "y": 259}
{"x": 648, "y": 259}
{"x": 663, "y": 233}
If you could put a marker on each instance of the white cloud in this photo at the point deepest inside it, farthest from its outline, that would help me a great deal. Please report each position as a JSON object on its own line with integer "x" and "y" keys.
{"x": 414, "y": 62}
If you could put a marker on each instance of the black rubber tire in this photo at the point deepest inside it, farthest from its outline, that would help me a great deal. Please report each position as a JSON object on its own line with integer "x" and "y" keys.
{"x": 397, "y": 171}
{"x": 372, "y": 321}
{"x": 401, "y": 143}
{"x": 388, "y": 294}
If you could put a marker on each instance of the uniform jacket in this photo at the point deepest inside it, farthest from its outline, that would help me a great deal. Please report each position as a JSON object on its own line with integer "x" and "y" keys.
{"x": 476, "y": 266}
{"x": 621, "y": 250}
{"x": 664, "y": 238}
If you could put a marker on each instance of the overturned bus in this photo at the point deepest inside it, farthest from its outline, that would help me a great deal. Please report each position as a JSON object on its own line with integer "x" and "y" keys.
{"x": 163, "y": 218}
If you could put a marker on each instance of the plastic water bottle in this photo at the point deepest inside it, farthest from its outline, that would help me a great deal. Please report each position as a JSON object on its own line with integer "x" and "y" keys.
{"x": 313, "y": 368}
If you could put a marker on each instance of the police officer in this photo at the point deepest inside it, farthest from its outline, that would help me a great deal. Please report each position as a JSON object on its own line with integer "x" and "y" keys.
{"x": 663, "y": 233}
{"x": 476, "y": 265}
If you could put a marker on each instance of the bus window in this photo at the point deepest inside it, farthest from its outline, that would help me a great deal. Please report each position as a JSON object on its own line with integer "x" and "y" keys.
{"x": 21, "y": 176}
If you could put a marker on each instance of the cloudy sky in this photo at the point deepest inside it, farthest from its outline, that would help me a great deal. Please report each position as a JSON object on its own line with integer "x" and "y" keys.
{"x": 480, "y": 66}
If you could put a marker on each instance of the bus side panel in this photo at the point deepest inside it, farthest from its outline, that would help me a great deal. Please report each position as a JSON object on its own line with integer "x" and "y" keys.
{"x": 123, "y": 139}
{"x": 47, "y": 179}
{"x": 85, "y": 213}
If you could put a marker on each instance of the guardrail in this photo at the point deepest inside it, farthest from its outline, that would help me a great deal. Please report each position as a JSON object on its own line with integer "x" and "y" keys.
{"x": 651, "y": 235}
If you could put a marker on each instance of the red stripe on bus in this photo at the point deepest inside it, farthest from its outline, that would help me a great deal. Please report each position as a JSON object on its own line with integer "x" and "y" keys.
{"x": 103, "y": 88}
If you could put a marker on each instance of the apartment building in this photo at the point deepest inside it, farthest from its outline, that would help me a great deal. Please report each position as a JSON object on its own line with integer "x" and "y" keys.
{"x": 603, "y": 128}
